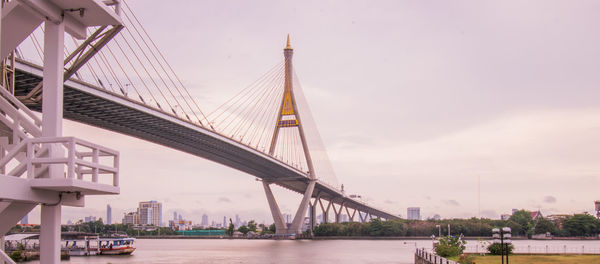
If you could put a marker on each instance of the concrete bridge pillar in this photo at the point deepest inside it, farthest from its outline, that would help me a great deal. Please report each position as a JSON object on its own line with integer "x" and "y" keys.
{"x": 325, "y": 211}
{"x": 280, "y": 225}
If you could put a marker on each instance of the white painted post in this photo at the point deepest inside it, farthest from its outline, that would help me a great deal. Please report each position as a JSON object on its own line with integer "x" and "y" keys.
{"x": 30, "y": 155}
{"x": 52, "y": 115}
{"x": 71, "y": 167}
{"x": 95, "y": 161}
{"x": 116, "y": 175}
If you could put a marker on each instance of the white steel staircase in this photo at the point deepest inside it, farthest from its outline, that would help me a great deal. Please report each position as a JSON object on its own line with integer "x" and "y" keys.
{"x": 90, "y": 169}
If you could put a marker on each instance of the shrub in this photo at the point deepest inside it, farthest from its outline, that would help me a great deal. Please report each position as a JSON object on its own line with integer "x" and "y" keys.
{"x": 450, "y": 246}
{"x": 495, "y": 249}
{"x": 466, "y": 259}
{"x": 16, "y": 256}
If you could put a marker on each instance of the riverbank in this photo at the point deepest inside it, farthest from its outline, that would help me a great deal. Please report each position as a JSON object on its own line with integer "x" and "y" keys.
{"x": 541, "y": 259}
{"x": 365, "y": 238}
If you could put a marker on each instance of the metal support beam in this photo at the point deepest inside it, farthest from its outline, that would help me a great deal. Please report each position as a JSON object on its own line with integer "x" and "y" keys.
{"x": 12, "y": 213}
{"x": 80, "y": 56}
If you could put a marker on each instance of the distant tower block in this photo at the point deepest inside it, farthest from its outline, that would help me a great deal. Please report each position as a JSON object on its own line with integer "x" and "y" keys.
{"x": 597, "y": 208}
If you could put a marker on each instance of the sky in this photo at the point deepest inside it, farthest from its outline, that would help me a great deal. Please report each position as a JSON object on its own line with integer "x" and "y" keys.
{"x": 462, "y": 108}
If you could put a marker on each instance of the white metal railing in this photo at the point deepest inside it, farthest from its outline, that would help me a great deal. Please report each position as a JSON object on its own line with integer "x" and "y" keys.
{"x": 15, "y": 115}
{"x": 80, "y": 157}
{"x": 423, "y": 256}
{"x": 542, "y": 249}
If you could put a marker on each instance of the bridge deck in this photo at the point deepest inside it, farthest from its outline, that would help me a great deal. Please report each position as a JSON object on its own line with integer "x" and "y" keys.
{"x": 95, "y": 106}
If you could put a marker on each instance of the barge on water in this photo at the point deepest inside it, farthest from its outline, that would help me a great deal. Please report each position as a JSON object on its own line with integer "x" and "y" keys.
{"x": 117, "y": 246}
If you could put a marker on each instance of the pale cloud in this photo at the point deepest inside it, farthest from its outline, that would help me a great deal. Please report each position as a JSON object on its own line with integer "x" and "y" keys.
{"x": 550, "y": 199}
{"x": 224, "y": 200}
{"x": 451, "y": 202}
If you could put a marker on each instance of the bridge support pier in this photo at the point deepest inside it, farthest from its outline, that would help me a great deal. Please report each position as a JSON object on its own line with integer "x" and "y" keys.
{"x": 280, "y": 226}
{"x": 350, "y": 216}
{"x": 296, "y": 226}
{"x": 325, "y": 211}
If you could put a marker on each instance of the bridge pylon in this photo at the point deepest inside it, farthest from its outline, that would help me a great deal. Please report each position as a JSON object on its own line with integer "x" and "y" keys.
{"x": 288, "y": 117}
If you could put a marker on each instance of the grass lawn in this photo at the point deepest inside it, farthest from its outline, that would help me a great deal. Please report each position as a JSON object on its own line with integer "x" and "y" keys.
{"x": 541, "y": 259}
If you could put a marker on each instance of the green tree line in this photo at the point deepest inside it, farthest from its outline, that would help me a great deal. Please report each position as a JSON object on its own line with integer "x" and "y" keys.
{"x": 521, "y": 223}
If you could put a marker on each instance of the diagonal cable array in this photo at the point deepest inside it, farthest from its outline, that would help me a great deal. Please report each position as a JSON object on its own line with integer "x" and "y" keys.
{"x": 250, "y": 117}
{"x": 131, "y": 65}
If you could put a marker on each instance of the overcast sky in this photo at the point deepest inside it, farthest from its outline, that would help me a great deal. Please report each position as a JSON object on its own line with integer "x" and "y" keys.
{"x": 415, "y": 101}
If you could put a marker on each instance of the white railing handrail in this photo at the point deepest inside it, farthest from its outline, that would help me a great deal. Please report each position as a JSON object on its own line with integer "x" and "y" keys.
{"x": 35, "y": 123}
{"x": 75, "y": 161}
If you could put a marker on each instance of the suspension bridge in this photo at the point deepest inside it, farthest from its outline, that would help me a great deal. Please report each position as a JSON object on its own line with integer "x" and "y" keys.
{"x": 107, "y": 72}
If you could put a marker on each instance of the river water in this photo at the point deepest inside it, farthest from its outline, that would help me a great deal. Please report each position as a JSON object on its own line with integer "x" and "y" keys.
{"x": 293, "y": 251}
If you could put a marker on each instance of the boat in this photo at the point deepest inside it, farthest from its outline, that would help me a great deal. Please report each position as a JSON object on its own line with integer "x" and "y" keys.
{"x": 80, "y": 243}
{"x": 117, "y": 246}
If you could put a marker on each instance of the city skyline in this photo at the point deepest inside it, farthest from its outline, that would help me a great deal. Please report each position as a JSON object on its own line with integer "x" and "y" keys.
{"x": 501, "y": 106}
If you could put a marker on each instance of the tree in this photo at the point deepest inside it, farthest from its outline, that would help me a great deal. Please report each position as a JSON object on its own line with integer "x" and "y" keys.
{"x": 272, "y": 228}
{"x": 252, "y": 225}
{"x": 543, "y": 226}
{"x": 524, "y": 220}
{"x": 244, "y": 229}
{"x": 231, "y": 228}
{"x": 582, "y": 225}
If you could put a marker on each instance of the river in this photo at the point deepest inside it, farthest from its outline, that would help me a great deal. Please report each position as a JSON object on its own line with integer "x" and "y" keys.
{"x": 292, "y": 251}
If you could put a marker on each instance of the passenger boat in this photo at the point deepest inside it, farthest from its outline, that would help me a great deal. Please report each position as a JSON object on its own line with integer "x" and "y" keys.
{"x": 116, "y": 246}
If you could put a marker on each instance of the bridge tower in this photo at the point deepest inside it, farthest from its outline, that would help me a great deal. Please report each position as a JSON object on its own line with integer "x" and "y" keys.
{"x": 288, "y": 117}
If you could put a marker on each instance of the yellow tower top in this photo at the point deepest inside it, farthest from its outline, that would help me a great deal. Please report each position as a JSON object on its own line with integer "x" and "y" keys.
{"x": 288, "y": 46}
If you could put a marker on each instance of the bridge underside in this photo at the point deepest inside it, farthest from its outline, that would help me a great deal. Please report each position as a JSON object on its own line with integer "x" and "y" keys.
{"x": 95, "y": 106}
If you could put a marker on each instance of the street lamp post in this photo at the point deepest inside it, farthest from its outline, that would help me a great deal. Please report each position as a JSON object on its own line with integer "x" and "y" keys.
{"x": 502, "y": 236}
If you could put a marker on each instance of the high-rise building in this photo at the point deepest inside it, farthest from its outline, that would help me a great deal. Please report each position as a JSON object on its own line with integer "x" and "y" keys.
{"x": 174, "y": 215}
{"x": 287, "y": 218}
{"x": 224, "y": 221}
{"x": 131, "y": 218}
{"x": 413, "y": 213}
{"x": 108, "y": 214}
{"x": 344, "y": 218}
{"x": 237, "y": 221}
{"x": 25, "y": 219}
{"x": 204, "y": 220}
{"x": 90, "y": 218}
{"x": 180, "y": 217}
{"x": 150, "y": 213}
